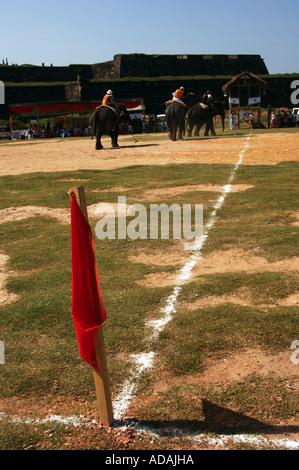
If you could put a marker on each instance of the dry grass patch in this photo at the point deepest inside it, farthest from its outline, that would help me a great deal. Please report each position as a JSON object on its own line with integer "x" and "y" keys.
{"x": 224, "y": 261}
{"x": 5, "y": 297}
{"x": 241, "y": 297}
{"x": 238, "y": 367}
{"x": 296, "y": 215}
{"x": 153, "y": 280}
{"x": 173, "y": 255}
{"x": 116, "y": 189}
{"x": 162, "y": 193}
{"x": 12, "y": 214}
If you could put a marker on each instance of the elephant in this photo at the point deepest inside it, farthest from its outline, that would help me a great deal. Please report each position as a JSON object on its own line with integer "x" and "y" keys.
{"x": 105, "y": 121}
{"x": 201, "y": 114}
{"x": 175, "y": 114}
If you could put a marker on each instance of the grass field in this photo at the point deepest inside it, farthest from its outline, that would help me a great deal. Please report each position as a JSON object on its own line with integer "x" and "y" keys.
{"x": 221, "y": 367}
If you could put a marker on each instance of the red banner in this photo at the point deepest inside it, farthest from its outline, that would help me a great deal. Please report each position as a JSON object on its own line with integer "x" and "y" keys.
{"x": 130, "y": 104}
{"x": 87, "y": 306}
{"x": 95, "y": 105}
{"x": 64, "y": 107}
{"x": 23, "y": 109}
{"x": 50, "y": 108}
{"x": 75, "y": 107}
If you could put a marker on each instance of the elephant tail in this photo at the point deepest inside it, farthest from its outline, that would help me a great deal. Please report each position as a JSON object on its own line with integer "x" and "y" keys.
{"x": 92, "y": 124}
{"x": 92, "y": 129}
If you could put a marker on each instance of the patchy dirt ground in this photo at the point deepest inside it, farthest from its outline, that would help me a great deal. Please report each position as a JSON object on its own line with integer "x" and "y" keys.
{"x": 216, "y": 262}
{"x": 68, "y": 155}
{"x": 239, "y": 366}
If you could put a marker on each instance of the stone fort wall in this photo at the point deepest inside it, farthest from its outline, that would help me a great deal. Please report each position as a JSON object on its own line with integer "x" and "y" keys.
{"x": 152, "y": 78}
{"x": 138, "y": 65}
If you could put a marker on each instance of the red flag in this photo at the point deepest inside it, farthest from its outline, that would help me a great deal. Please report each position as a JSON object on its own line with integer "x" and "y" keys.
{"x": 87, "y": 306}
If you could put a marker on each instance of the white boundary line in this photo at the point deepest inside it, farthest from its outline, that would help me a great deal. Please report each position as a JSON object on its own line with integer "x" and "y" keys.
{"x": 145, "y": 361}
{"x": 196, "y": 438}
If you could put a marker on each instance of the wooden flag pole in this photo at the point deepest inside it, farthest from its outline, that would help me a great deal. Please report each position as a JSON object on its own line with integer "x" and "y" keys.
{"x": 101, "y": 377}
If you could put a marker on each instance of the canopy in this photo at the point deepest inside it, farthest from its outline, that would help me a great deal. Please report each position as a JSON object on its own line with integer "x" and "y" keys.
{"x": 68, "y": 107}
{"x": 255, "y": 80}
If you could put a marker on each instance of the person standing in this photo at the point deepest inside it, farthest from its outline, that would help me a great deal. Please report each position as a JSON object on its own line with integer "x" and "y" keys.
{"x": 232, "y": 121}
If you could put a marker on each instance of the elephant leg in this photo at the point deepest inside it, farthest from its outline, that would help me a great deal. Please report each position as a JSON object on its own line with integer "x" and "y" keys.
{"x": 114, "y": 136}
{"x": 210, "y": 127}
{"x": 190, "y": 125}
{"x": 197, "y": 130}
{"x": 99, "y": 145}
{"x": 173, "y": 131}
{"x": 181, "y": 131}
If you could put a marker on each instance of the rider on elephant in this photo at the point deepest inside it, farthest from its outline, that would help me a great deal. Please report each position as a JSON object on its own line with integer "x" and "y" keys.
{"x": 207, "y": 99}
{"x": 177, "y": 94}
{"x": 108, "y": 100}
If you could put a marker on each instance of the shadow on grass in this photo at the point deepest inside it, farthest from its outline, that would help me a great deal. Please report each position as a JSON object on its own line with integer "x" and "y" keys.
{"x": 217, "y": 420}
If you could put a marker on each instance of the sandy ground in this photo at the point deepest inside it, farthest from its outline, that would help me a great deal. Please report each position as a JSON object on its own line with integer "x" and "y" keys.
{"x": 68, "y": 155}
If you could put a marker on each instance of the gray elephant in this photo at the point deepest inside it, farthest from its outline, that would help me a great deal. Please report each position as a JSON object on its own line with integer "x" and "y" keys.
{"x": 201, "y": 114}
{"x": 175, "y": 114}
{"x": 105, "y": 121}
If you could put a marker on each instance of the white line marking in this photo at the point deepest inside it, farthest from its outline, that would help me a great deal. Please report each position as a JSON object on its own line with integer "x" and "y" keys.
{"x": 145, "y": 360}
{"x": 175, "y": 433}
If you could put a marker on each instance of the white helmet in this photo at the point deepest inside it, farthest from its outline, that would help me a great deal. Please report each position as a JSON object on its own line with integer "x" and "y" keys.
{"x": 109, "y": 92}
{"x": 182, "y": 88}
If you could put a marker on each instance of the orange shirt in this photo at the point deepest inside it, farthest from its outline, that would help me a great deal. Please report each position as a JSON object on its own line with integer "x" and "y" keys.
{"x": 178, "y": 93}
{"x": 106, "y": 100}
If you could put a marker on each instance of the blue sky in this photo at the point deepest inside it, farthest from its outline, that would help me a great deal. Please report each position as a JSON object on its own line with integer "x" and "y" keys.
{"x": 87, "y": 32}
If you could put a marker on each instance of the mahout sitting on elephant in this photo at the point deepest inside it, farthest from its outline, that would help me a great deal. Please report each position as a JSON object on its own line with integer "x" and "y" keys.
{"x": 175, "y": 114}
{"x": 202, "y": 113}
{"x": 105, "y": 121}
